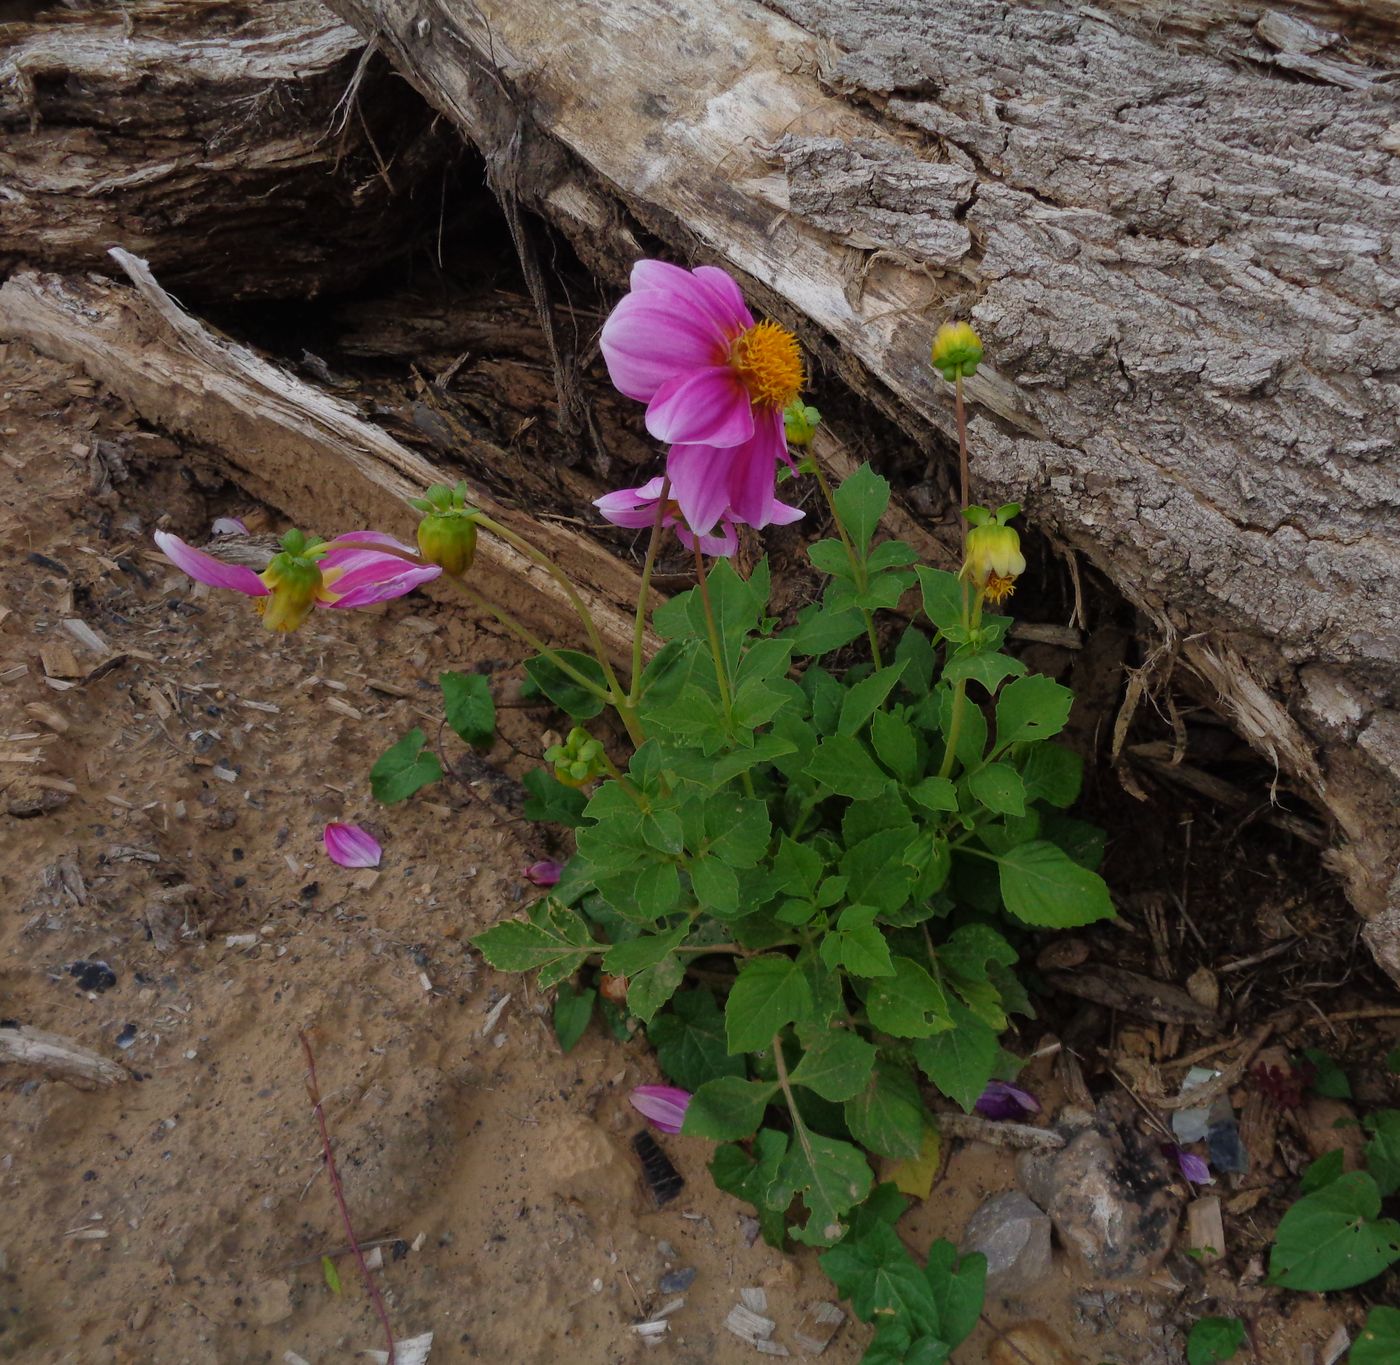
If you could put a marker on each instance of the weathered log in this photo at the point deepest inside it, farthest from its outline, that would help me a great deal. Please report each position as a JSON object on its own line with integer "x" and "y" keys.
{"x": 292, "y": 445}
{"x": 237, "y": 146}
{"x": 57, "y": 1057}
{"x": 1181, "y": 262}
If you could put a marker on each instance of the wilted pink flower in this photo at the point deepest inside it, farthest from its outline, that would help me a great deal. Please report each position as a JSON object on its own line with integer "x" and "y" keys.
{"x": 663, "y": 1106}
{"x": 308, "y": 573}
{"x": 1196, "y": 1169}
{"x": 713, "y": 380}
{"x": 546, "y": 872}
{"x": 229, "y": 526}
{"x": 636, "y": 508}
{"x": 351, "y": 846}
{"x": 1002, "y": 1101}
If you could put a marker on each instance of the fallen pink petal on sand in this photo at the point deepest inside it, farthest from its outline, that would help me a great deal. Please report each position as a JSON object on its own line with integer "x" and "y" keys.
{"x": 546, "y": 872}
{"x": 351, "y": 846}
{"x": 1002, "y": 1101}
{"x": 663, "y": 1106}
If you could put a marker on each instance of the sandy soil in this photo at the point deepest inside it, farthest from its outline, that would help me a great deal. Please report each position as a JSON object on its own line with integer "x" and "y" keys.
{"x": 184, "y": 774}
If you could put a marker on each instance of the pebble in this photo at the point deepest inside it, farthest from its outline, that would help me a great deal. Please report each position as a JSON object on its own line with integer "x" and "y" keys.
{"x": 678, "y": 1281}
{"x": 1014, "y": 1235}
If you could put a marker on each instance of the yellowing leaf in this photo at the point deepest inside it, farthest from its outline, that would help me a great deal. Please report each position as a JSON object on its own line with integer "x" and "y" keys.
{"x": 913, "y": 1175}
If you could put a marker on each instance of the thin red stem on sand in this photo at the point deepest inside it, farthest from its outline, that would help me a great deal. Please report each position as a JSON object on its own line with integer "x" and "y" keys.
{"x": 339, "y": 1191}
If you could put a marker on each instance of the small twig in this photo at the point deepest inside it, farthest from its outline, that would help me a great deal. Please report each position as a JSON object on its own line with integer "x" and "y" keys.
{"x": 998, "y": 1133}
{"x": 314, "y": 1091}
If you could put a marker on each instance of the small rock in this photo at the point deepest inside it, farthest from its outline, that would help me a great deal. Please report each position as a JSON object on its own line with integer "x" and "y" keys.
{"x": 270, "y": 1301}
{"x": 1030, "y": 1343}
{"x": 1109, "y": 1193}
{"x": 678, "y": 1281}
{"x": 1204, "y": 988}
{"x": 1329, "y": 1123}
{"x": 1014, "y": 1235}
{"x": 1061, "y": 954}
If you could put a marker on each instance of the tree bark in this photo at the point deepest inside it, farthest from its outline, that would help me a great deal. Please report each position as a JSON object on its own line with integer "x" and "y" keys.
{"x": 1176, "y": 238}
{"x": 238, "y": 147}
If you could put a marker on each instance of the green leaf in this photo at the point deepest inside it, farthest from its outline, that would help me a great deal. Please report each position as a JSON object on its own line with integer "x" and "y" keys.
{"x": 842, "y": 765}
{"x": 1053, "y": 774}
{"x": 987, "y": 667}
{"x": 330, "y": 1274}
{"x": 1383, "y": 1150}
{"x": 1333, "y": 1239}
{"x": 891, "y": 554}
{"x": 653, "y": 986}
{"x": 1330, "y": 1079}
{"x": 875, "y": 1271}
{"x": 716, "y": 887}
{"x": 1082, "y": 841}
{"x": 737, "y": 829}
{"x": 936, "y": 793}
{"x": 910, "y": 1004}
{"x": 1032, "y": 708}
{"x": 998, "y": 786}
{"x": 561, "y": 689}
{"x": 960, "y": 1060}
{"x": 751, "y": 1177}
{"x": 959, "y": 1287}
{"x": 860, "y": 503}
{"x": 646, "y": 950}
{"x": 1392, "y": 1062}
{"x": 769, "y": 992}
{"x": 1323, "y": 1171}
{"x": 738, "y": 605}
{"x": 970, "y": 947}
{"x": 1042, "y": 886}
{"x": 573, "y": 1009}
{"x": 830, "y": 1175}
{"x": 555, "y": 941}
{"x": 876, "y": 873}
{"x": 896, "y": 745}
{"x": 945, "y": 597}
{"x": 1379, "y": 1342}
{"x": 550, "y": 801}
{"x": 837, "y": 1066}
{"x": 888, "y": 1115}
{"x": 893, "y": 1344}
{"x": 468, "y": 706}
{"x": 819, "y": 630}
{"x": 640, "y": 895}
{"x": 882, "y": 592}
{"x": 857, "y": 944}
{"x": 727, "y": 1108}
{"x": 831, "y": 556}
{"x": 915, "y": 650}
{"x": 865, "y": 697}
{"x": 403, "y": 768}
{"x": 1213, "y": 1340}
{"x": 689, "y": 1041}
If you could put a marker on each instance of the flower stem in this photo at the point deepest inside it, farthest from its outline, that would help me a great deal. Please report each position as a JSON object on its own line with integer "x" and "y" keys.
{"x": 857, "y": 568}
{"x": 959, "y": 693}
{"x": 965, "y": 479}
{"x": 640, "y": 625}
{"x": 712, "y": 629}
{"x": 798, "y": 1127}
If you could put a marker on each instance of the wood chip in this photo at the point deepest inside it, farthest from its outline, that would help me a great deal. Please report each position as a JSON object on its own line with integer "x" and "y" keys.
{"x": 86, "y": 636}
{"x": 58, "y": 1057}
{"x": 819, "y": 1325}
{"x": 48, "y": 715}
{"x": 997, "y": 1133}
{"x": 749, "y": 1326}
{"x": 1136, "y": 995}
{"x": 59, "y": 661}
{"x": 343, "y": 708}
{"x": 1205, "y": 1228}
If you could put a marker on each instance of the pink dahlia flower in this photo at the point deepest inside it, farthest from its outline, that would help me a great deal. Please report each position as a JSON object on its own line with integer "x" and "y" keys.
{"x": 636, "y": 508}
{"x": 663, "y": 1106}
{"x": 351, "y": 846}
{"x": 713, "y": 380}
{"x": 308, "y": 573}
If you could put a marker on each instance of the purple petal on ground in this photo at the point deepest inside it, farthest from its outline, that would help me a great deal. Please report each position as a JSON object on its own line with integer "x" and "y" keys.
{"x": 351, "y": 846}
{"x": 546, "y": 872}
{"x": 1002, "y": 1101}
{"x": 205, "y": 568}
{"x": 1196, "y": 1169}
{"x": 663, "y": 1106}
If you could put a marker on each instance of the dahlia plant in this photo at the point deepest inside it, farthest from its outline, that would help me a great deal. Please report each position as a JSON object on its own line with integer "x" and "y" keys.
{"x": 811, "y": 865}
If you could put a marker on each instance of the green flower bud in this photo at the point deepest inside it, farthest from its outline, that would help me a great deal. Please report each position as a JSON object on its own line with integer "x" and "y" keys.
{"x": 957, "y": 351}
{"x": 800, "y": 422}
{"x": 294, "y": 581}
{"x": 579, "y": 760}
{"x": 447, "y": 532}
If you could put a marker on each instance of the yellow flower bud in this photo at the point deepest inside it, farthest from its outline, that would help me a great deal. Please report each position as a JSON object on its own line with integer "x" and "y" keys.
{"x": 957, "y": 351}
{"x": 994, "y": 560}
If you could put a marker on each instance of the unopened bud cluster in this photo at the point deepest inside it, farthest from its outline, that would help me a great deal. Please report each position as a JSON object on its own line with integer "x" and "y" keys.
{"x": 579, "y": 760}
{"x": 447, "y": 532}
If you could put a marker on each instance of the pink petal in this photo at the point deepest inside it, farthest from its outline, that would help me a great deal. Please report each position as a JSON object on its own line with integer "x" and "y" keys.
{"x": 663, "y": 1106}
{"x": 702, "y": 407}
{"x": 228, "y": 526}
{"x": 723, "y": 544}
{"x": 700, "y": 478}
{"x": 205, "y": 568}
{"x": 649, "y": 339}
{"x": 546, "y": 872}
{"x": 351, "y": 846}
{"x": 706, "y": 289}
{"x": 630, "y": 507}
{"x": 784, "y": 514}
{"x": 751, "y": 482}
{"x": 729, "y": 304}
{"x": 363, "y": 538}
{"x": 371, "y": 583}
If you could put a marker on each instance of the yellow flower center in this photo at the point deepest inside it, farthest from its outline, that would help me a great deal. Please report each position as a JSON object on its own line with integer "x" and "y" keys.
{"x": 769, "y": 364}
{"x": 999, "y": 587}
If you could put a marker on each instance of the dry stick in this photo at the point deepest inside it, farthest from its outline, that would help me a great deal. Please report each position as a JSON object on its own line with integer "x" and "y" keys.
{"x": 315, "y": 1092}
{"x": 639, "y": 626}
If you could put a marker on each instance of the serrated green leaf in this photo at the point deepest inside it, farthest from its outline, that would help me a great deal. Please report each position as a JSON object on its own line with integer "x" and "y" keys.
{"x": 945, "y": 597}
{"x": 837, "y": 1066}
{"x": 561, "y": 689}
{"x": 888, "y": 1116}
{"x": 959, "y": 1287}
{"x": 689, "y": 1041}
{"x": 737, "y": 829}
{"x": 860, "y": 503}
{"x": 831, "y": 1176}
{"x": 727, "y": 1108}
{"x": 403, "y": 769}
{"x": 857, "y": 944}
{"x": 1383, "y": 1150}
{"x": 550, "y": 801}
{"x": 935, "y": 793}
{"x": 1379, "y": 1342}
{"x": 1032, "y": 708}
{"x": 960, "y": 1060}
{"x": 640, "y": 895}
{"x": 769, "y": 992}
{"x": 891, "y": 554}
{"x": 880, "y": 1278}
{"x": 555, "y": 941}
{"x": 844, "y": 766}
{"x": 1040, "y": 885}
{"x": 831, "y": 557}
{"x": 1214, "y": 1340}
{"x": 468, "y": 706}
{"x": 646, "y": 950}
{"x": 573, "y": 1009}
{"x": 970, "y": 947}
{"x": 910, "y": 1004}
{"x": 751, "y": 1178}
{"x": 1053, "y": 774}
{"x": 862, "y": 700}
{"x": 876, "y": 873}
{"x": 819, "y": 629}
{"x": 896, "y": 745}
{"x": 653, "y": 986}
{"x": 1333, "y": 1238}
{"x": 716, "y": 887}
{"x": 999, "y": 788}
{"x": 987, "y": 667}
